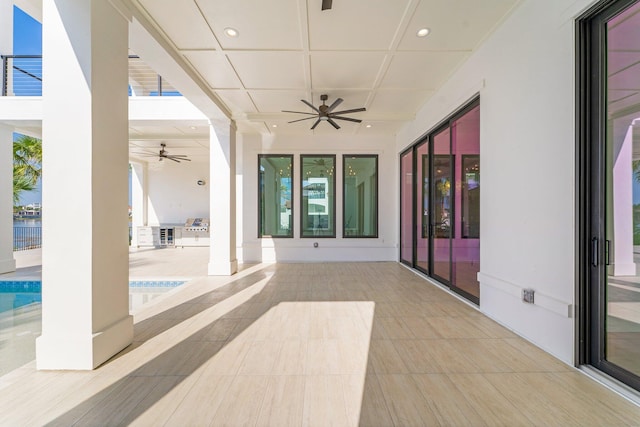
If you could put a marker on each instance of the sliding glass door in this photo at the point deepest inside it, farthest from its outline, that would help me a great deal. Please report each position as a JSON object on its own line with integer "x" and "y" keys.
{"x": 406, "y": 207}
{"x": 440, "y": 203}
{"x": 423, "y": 211}
{"x": 442, "y": 206}
{"x": 610, "y": 192}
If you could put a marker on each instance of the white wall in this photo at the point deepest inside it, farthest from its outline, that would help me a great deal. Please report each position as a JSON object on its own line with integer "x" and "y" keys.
{"x": 174, "y": 194}
{"x": 524, "y": 73}
{"x": 251, "y": 248}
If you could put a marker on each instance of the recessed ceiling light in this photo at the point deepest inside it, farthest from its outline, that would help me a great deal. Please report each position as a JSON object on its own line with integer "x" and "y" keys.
{"x": 231, "y": 32}
{"x": 193, "y": 127}
{"x": 274, "y": 126}
{"x": 423, "y": 32}
{"x": 368, "y": 126}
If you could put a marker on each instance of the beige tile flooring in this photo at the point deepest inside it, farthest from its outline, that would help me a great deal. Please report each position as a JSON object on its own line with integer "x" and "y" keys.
{"x": 315, "y": 345}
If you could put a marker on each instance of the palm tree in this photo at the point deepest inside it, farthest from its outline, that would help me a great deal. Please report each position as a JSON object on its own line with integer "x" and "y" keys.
{"x": 27, "y": 165}
{"x": 20, "y": 184}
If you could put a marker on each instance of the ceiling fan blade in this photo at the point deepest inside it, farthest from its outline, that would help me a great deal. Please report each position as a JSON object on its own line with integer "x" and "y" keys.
{"x": 299, "y": 112}
{"x": 167, "y": 157}
{"x": 326, "y": 4}
{"x": 315, "y": 124}
{"x": 306, "y": 118}
{"x": 349, "y": 119}
{"x": 355, "y": 110}
{"x": 334, "y": 105}
{"x": 334, "y": 124}
{"x": 311, "y": 105}
{"x": 133, "y": 153}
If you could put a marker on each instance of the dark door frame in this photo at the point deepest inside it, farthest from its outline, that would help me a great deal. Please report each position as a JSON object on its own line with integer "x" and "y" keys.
{"x": 591, "y": 122}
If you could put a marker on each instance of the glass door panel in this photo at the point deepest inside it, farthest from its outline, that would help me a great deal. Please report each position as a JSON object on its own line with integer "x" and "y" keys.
{"x": 622, "y": 195}
{"x": 442, "y": 206}
{"x": 422, "y": 207}
{"x": 406, "y": 207}
{"x": 465, "y": 142}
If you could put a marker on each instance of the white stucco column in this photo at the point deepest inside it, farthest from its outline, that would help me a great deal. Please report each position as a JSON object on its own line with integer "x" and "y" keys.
{"x": 85, "y": 295}
{"x": 7, "y": 262}
{"x": 222, "y": 211}
{"x": 623, "y": 264}
{"x": 138, "y": 199}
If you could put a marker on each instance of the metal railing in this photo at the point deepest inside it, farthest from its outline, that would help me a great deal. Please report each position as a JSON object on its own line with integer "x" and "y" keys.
{"x": 25, "y": 238}
{"x": 22, "y": 76}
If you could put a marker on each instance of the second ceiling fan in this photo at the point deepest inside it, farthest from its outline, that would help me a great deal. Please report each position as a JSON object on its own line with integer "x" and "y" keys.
{"x": 325, "y": 113}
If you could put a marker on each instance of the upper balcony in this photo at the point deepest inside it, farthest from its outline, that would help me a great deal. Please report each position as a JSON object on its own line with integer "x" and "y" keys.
{"x": 22, "y": 76}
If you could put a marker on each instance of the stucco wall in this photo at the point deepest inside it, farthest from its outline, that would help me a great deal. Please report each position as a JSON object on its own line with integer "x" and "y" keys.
{"x": 174, "y": 194}
{"x": 524, "y": 74}
{"x": 384, "y": 248}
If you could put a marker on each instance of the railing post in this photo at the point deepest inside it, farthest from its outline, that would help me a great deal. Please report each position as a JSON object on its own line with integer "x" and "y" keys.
{"x": 4, "y": 75}
{"x": 159, "y": 85}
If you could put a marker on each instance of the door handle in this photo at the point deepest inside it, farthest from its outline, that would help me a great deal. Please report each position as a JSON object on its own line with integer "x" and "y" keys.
{"x": 594, "y": 252}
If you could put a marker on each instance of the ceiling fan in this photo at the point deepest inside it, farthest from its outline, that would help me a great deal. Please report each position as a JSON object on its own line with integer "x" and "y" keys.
{"x": 325, "y": 113}
{"x": 164, "y": 154}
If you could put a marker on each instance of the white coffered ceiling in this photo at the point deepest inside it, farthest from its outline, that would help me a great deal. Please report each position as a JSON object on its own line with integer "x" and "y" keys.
{"x": 364, "y": 51}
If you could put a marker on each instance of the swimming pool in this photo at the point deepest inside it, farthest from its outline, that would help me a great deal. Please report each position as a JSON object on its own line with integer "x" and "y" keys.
{"x": 18, "y": 293}
{"x": 21, "y": 315}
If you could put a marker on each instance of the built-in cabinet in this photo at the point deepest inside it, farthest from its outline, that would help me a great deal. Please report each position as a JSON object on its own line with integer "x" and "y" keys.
{"x": 172, "y": 235}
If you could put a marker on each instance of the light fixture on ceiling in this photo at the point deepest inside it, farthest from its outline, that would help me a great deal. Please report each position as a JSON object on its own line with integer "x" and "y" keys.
{"x": 274, "y": 126}
{"x": 368, "y": 126}
{"x": 423, "y": 32}
{"x": 231, "y": 32}
{"x": 193, "y": 127}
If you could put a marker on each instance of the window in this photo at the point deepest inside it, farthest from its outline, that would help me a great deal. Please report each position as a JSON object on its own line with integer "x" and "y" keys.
{"x": 360, "y": 195}
{"x": 275, "y": 195}
{"x": 318, "y": 204}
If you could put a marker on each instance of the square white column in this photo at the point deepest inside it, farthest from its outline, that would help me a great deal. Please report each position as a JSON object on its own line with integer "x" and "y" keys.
{"x": 85, "y": 293}
{"x": 222, "y": 211}
{"x": 139, "y": 195}
{"x": 7, "y": 262}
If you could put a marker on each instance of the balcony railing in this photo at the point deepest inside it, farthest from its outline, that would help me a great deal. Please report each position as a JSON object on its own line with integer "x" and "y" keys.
{"x": 22, "y": 76}
{"x": 25, "y": 238}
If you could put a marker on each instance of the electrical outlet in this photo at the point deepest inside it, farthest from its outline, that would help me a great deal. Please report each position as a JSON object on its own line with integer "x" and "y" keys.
{"x": 527, "y": 295}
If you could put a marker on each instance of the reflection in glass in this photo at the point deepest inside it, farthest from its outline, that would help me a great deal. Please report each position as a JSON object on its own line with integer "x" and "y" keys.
{"x": 422, "y": 207}
{"x": 622, "y": 291}
{"x": 465, "y": 251}
{"x": 318, "y": 196}
{"x": 470, "y": 205}
{"x": 406, "y": 207}
{"x": 360, "y": 196}
{"x": 442, "y": 205}
{"x": 275, "y": 195}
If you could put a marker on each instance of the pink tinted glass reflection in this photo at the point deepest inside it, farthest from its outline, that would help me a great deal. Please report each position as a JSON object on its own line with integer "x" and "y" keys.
{"x": 406, "y": 177}
{"x": 465, "y": 254}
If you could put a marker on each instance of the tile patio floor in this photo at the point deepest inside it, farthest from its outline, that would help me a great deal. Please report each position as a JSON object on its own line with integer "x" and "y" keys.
{"x": 315, "y": 344}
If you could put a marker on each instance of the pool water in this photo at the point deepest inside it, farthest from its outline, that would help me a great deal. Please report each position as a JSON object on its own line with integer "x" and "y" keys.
{"x": 18, "y": 293}
{"x": 21, "y": 315}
